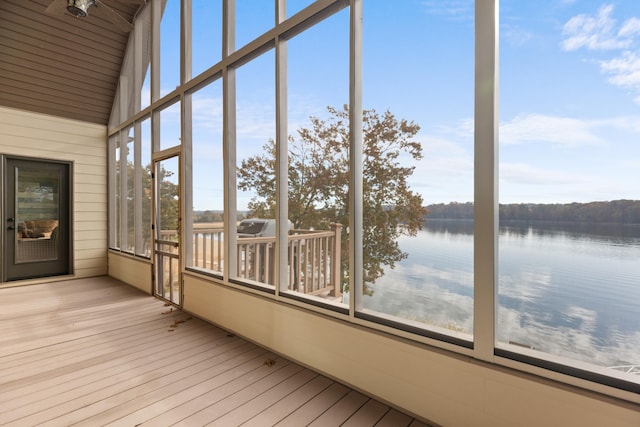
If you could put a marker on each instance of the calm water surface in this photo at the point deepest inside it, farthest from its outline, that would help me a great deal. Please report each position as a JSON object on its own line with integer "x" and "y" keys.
{"x": 565, "y": 289}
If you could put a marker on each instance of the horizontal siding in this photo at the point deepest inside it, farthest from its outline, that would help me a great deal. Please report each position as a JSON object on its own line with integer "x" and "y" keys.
{"x": 84, "y": 144}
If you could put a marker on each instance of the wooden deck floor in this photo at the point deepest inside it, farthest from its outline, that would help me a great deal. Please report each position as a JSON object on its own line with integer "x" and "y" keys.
{"x": 97, "y": 352}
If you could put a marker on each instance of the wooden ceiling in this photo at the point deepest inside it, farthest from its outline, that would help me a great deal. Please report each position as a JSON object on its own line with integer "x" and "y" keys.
{"x": 54, "y": 63}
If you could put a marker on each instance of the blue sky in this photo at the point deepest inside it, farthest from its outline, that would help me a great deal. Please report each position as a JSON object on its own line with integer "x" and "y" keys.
{"x": 569, "y": 92}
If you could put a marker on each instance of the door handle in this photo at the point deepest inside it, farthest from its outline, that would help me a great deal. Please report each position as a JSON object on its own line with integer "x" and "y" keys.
{"x": 11, "y": 227}
{"x": 10, "y": 220}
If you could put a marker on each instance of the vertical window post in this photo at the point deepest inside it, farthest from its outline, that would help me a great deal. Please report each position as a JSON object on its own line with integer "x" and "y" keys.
{"x": 282, "y": 150}
{"x": 355, "y": 157}
{"x": 486, "y": 177}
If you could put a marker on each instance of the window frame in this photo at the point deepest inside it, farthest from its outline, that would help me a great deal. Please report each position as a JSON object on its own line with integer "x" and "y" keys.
{"x": 483, "y": 349}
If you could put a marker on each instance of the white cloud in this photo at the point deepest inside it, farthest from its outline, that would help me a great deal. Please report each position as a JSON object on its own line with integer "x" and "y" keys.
{"x": 541, "y": 128}
{"x": 625, "y": 70}
{"x": 515, "y": 35}
{"x": 456, "y": 9}
{"x": 630, "y": 28}
{"x": 521, "y": 173}
{"x": 602, "y": 32}
{"x": 207, "y": 112}
{"x": 594, "y": 32}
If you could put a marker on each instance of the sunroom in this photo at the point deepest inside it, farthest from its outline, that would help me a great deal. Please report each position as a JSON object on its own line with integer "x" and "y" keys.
{"x": 323, "y": 179}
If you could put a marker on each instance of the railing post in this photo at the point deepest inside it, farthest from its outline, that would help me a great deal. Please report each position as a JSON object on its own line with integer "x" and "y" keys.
{"x": 336, "y": 262}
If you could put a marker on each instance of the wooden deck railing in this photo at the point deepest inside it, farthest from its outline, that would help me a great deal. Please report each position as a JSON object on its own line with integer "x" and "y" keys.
{"x": 313, "y": 258}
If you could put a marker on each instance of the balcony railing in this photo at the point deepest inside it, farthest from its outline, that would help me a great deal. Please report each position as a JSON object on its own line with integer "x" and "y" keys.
{"x": 313, "y": 265}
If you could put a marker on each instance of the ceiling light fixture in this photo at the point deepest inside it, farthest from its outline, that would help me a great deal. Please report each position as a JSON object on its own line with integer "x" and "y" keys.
{"x": 79, "y": 8}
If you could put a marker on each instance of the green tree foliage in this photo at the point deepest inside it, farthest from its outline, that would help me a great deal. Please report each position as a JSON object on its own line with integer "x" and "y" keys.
{"x": 169, "y": 200}
{"x": 168, "y": 204}
{"x": 318, "y": 183}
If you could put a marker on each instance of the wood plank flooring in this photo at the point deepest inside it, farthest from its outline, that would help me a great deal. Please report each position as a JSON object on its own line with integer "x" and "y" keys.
{"x": 98, "y": 352}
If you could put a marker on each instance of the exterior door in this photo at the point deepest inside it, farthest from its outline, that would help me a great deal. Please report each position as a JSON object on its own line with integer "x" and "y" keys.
{"x": 168, "y": 276}
{"x": 37, "y": 219}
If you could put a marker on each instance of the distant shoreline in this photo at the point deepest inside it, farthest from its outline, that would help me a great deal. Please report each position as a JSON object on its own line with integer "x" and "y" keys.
{"x": 612, "y": 212}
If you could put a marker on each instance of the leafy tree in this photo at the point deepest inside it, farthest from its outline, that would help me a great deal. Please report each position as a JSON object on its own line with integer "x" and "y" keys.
{"x": 318, "y": 183}
{"x": 168, "y": 205}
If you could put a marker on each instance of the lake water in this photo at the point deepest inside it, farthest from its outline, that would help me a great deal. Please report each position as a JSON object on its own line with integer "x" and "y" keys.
{"x": 570, "y": 290}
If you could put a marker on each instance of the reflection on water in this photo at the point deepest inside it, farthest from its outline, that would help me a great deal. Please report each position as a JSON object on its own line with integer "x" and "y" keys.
{"x": 571, "y": 290}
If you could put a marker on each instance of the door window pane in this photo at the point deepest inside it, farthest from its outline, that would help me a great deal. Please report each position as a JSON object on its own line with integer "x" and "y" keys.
{"x": 569, "y": 276}
{"x": 418, "y": 165}
{"x": 37, "y": 215}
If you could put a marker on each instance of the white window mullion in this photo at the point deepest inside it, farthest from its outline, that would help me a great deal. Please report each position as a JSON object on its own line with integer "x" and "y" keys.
{"x": 486, "y": 178}
{"x": 356, "y": 275}
{"x": 186, "y": 64}
{"x": 282, "y": 149}
{"x": 229, "y": 142}
{"x": 156, "y": 17}
{"x": 282, "y": 167}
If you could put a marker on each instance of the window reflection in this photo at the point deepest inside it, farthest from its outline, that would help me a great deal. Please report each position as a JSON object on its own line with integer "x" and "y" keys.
{"x": 37, "y": 215}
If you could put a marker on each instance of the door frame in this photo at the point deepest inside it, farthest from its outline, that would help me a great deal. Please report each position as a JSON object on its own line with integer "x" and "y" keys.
{"x": 157, "y": 158}
{"x": 67, "y": 213}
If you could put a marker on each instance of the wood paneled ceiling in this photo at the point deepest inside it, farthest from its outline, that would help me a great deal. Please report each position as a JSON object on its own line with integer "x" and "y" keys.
{"x": 54, "y": 63}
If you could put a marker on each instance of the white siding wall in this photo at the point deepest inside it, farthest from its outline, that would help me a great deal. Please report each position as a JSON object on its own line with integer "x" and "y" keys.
{"x": 134, "y": 271}
{"x": 41, "y": 136}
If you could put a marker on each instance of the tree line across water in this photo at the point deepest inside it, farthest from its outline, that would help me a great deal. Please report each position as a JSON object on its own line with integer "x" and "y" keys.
{"x": 615, "y": 211}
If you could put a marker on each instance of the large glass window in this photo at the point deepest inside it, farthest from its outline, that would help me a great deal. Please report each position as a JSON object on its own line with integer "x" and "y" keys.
{"x": 255, "y": 141}
{"x": 207, "y": 181}
{"x": 206, "y": 34}
{"x": 170, "y": 131}
{"x": 130, "y": 189}
{"x": 170, "y": 47}
{"x": 253, "y": 18}
{"x": 566, "y": 286}
{"x": 418, "y": 165}
{"x": 569, "y": 282}
{"x": 318, "y": 153}
{"x": 114, "y": 191}
{"x": 131, "y": 185}
{"x": 295, "y": 6}
{"x": 142, "y": 48}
